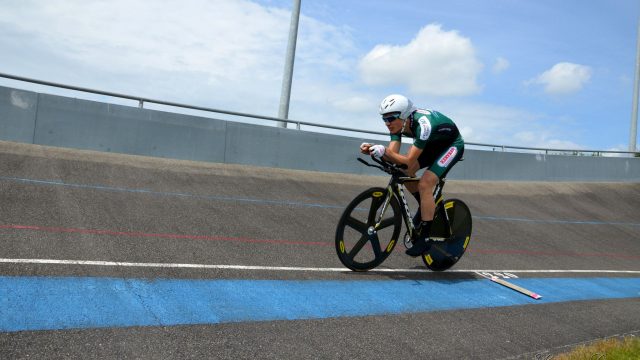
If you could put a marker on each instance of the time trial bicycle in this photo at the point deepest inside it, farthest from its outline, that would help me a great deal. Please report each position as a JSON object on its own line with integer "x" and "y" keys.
{"x": 370, "y": 225}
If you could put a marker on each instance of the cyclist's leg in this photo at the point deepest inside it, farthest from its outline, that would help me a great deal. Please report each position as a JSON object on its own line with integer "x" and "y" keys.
{"x": 427, "y": 184}
{"x": 449, "y": 154}
{"x": 411, "y": 171}
{"x": 425, "y": 209}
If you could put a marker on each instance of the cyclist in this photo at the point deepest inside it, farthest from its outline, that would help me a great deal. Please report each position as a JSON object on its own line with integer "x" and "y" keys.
{"x": 437, "y": 146}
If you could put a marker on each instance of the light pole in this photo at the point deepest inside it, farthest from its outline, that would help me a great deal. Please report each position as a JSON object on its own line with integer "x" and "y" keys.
{"x": 285, "y": 94}
{"x": 633, "y": 133}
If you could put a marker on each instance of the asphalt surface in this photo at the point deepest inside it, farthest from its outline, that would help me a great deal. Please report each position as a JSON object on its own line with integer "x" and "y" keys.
{"x": 68, "y": 205}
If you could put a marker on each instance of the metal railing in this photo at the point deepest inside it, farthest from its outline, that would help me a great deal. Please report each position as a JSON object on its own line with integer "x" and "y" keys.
{"x": 142, "y": 100}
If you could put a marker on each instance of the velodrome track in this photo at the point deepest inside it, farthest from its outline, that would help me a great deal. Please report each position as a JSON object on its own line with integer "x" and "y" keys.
{"x": 106, "y": 255}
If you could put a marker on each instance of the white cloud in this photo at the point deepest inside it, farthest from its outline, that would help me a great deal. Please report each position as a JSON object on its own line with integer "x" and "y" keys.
{"x": 230, "y": 55}
{"x": 485, "y": 123}
{"x": 158, "y": 35}
{"x": 501, "y": 125}
{"x": 355, "y": 104}
{"x": 435, "y": 62}
{"x": 217, "y": 53}
{"x": 563, "y": 78}
{"x": 619, "y": 147}
{"x": 500, "y": 65}
{"x": 543, "y": 139}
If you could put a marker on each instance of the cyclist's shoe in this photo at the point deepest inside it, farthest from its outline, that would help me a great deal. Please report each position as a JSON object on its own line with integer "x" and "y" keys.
{"x": 419, "y": 247}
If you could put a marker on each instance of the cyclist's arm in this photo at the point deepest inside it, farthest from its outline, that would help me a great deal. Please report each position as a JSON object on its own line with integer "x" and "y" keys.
{"x": 394, "y": 146}
{"x": 392, "y": 154}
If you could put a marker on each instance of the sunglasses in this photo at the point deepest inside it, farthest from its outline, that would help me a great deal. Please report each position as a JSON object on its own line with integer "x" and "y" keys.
{"x": 390, "y": 117}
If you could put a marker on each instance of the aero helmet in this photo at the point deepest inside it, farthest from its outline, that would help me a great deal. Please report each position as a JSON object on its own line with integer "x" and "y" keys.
{"x": 397, "y": 103}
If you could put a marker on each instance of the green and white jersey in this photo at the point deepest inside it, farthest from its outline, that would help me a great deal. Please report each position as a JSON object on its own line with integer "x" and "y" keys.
{"x": 429, "y": 127}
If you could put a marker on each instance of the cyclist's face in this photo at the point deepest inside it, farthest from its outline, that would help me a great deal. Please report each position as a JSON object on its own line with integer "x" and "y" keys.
{"x": 394, "y": 126}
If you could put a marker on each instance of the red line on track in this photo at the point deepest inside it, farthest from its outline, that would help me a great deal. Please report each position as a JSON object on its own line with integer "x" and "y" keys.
{"x": 289, "y": 242}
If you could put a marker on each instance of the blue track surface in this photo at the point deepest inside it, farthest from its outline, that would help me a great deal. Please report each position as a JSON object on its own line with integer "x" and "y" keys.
{"x": 49, "y": 303}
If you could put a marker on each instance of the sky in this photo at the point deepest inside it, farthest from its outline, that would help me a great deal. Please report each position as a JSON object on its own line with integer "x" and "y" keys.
{"x": 538, "y": 73}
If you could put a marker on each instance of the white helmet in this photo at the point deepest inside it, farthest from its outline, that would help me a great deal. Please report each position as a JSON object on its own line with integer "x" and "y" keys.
{"x": 397, "y": 103}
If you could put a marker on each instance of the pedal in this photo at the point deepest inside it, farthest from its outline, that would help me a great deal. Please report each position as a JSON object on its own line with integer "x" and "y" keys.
{"x": 407, "y": 241}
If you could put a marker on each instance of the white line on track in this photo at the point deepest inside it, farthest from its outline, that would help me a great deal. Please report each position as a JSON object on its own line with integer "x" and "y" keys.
{"x": 282, "y": 268}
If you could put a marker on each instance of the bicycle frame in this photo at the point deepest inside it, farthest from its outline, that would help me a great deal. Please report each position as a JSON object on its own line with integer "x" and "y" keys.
{"x": 396, "y": 188}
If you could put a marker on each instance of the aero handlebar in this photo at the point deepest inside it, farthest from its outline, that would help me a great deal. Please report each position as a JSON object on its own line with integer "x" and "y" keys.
{"x": 386, "y": 166}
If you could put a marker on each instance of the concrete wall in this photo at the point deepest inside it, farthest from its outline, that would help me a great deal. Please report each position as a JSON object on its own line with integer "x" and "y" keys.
{"x": 66, "y": 122}
{"x": 18, "y": 110}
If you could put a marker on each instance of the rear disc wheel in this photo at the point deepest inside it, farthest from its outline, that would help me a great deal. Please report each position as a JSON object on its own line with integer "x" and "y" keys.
{"x": 442, "y": 255}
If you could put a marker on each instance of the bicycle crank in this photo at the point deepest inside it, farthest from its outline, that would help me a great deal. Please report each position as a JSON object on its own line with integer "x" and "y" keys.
{"x": 407, "y": 241}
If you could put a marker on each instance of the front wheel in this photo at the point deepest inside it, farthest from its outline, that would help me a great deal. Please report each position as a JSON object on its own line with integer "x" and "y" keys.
{"x": 444, "y": 254}
{"x": 368, "y": 229}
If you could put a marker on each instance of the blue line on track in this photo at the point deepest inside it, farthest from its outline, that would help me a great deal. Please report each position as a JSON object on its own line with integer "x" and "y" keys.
{"x": 161, "y": 193}
{"x": 55, "y": 303}
{"x": 575, "y": 222}
{"x": 281, "y": 202}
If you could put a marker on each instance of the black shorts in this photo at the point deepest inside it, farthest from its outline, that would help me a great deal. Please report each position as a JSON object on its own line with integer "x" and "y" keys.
{"x": 440, "y": 157}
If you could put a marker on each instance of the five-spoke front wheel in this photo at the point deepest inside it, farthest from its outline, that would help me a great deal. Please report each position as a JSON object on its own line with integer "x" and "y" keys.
{"x": 368, "y": 229}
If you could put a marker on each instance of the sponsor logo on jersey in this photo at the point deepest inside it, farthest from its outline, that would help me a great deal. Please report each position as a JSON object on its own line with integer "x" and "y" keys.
{"x": 448, "y": 157}
{"x": 425, "y": 129}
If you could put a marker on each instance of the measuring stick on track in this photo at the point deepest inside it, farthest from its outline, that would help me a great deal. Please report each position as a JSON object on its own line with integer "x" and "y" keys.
{"x": 512, "y": 286}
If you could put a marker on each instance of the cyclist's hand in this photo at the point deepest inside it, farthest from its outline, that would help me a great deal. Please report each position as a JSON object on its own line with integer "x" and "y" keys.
{"x": 377, "y": 151}
{"x": 364, "y": 148}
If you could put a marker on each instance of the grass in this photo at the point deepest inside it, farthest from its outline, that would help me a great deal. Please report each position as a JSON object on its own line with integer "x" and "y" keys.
{"x": 609, "y": 349}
